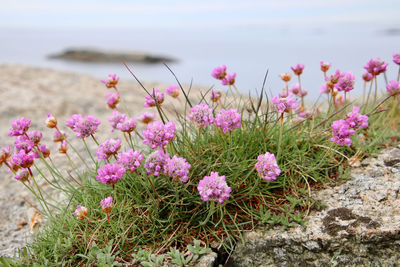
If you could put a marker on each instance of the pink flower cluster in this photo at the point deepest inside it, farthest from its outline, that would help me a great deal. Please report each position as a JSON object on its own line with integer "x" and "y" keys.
{"x": 228, "y": 120}
{"x": 83, "y": 126}
{"x": 130, "y": 160}
{"x": 110, "y": 173}
{"x": 112, "y": 99}
{"x": 173, "y": 90}
{"x": 285, "y": 104}
{"x": 298, "y": 69}
{"x": 156, "y": 162}
{"x": 111, "y": 81}
{"x": 121, "y": 122}
{"x": 376, "y": 66}
{"x": 267, "y": 167}
{"x": 159, "y": 134}
{"x": 157, "y": 95}
{"x": 201, "y": 115}
{"x": 344, "y": 129}
{"x": 393, "y": 88}
{"x": 220, "y": 73}
{"x": 107, "y": 204}
{"x": 19, "y": 127}
{"x": 229, "y": 79}
{"x": 108, "y": 148}
{"x": 346, "y": 82}
{"x": 325, "y": 66}
{"x": 296, "y": 90}
{"x": 178, "y": 168}
{"x": 146, "y": 117}
{"x": 80, "y": 212}
{"x": 214, "y": 188}
{"x": 396, "y": 58}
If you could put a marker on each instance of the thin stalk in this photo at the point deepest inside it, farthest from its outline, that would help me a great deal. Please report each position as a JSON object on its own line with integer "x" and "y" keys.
{"x": 280, "y": 138}
{"x": 376, "y": 88}
{"x": 369, "y": 92}
{"x": 210, "y": 213}
{"x": 90, "y": 154}
{"x": 40, "y": 192}
{"x": 77, "y": 152}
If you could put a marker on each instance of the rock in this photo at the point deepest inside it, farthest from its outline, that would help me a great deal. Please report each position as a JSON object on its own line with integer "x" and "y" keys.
{"x": 206, "y": 260}
{"x": 95, "y": 55}
{"x": 359, "y": 227}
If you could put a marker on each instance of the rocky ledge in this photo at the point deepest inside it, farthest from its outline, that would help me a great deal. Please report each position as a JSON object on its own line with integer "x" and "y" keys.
{"x": 95, "y": 55}
{"x": 360, "y": 225}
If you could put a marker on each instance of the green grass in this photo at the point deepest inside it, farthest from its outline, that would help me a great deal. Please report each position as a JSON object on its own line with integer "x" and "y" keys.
{"x": 144, "y": 221}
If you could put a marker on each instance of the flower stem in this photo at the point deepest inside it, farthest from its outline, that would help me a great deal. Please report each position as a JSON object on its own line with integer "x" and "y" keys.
{"x": 210, "y": 212}
{"x": 280, "y": 138}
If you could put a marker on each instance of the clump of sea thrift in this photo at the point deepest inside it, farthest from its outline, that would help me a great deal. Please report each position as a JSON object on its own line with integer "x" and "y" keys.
{"x": 285, "y": 104}
{"x": 267, "y": 167}
{"x": 228, "y": 120}
{"x": 158, "y": 134}
{"x": 355, "y": 120}
{"x": 201, "y": 115}
{"x": 173, "y": 91}
{"x": 157, "y": 95}
{"x": 214, "y": 188}
{"x": 342, "y": 133}
{"x": 219, "y": 72}
{"x": 110, "y": 173}
{"x": 130, "y": 160}
{"x": 178, "y": 168}
{"x": 80, "y": 212}
{"x": 393, "y": 88}
{"x": 19, "y": 127}
{"x": 109, "y": 148}
{"x": 111, "y": 81}
{"x": 156, "y": 162}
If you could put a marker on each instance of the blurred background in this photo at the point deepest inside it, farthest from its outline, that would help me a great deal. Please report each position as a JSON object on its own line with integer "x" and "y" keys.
{"x": 250, "y": 37}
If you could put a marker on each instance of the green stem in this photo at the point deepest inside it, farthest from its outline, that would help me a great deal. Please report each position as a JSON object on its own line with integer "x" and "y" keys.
{"x": 280, "y": 138}
{"x": 40, "y": 193}
{"x": 376, "y": 89}
{"x": 90, "y": 154}
{"x": 210, "y": 212}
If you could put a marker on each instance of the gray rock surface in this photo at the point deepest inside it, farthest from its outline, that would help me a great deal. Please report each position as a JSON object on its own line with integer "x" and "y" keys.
{"x": 359, "y": 227}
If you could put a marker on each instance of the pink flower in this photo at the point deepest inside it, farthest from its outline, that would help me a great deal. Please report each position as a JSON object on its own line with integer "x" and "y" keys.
{"x": 80, "y": 212}
{"x": 304, "y": 115}
{"x": 214, "y": 188}
{"x": 110, "y": 173}
{"x": 267, "y": 167}
{"x": 43, "y": 150}
{"x": 58, "y": 137}
{"x": 228, "y": 120}
{"x": 173, "y": 90}
{"x": 219, "y": 72}
{"x": 285, "y": 104}
{"x": 22, "y": 159}
{"x": 298, "y": 69}
{"x": 324, "y": 89}
{"x": 367, "y": 76}
{"x": 376, "y": 66}
{"x": 51, "y": 121}
{"x": 111, "y": 81}
{"x": 342, "y": 133}
{"x": 19, "y": 127}
{"x": 63, "y": 147}
{"x": 295, "y": 89}
{"x": 229, "y": 79}
{"x": 107, "y": 204}
{"x": 146, "y": 117}
{"x": 325, "y": 66}
{"x": 286, "y": 77}
{"x": 178, "y": 168}
{"x": 23, "y": 143}
{"x": 346, "y": 82}
{"x": 83, "y": 127}
{"x": 285, "y": 93}
{"x": 355, "y": 120}
{"x": 108, "y": 148}
{"x": 127, "y": 126}
{"x": 35, "y": 137}
{"x": 333, "y": 79}
{"x": 396, "y": 58}
{"x": 112, "y": 99}
{"x": 116, "y": 119}
{"x": 393, "y": 88}
{"x": 22, "y": 175}
{"x": 201, "y": 115}
{"x": 157, "y": 95}
{"x": 5, "y": 154}
{"x": 303, "y": 92}
{"x": 158, "y": 134}
{"x": 156, "y": 162}
{"x": 130, "y": 160}
{"x": 215, "y": 96}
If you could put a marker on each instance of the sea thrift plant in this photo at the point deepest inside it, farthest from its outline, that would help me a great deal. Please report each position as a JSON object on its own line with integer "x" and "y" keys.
{"x": 108, "y": 148}
{"x": 130, "y": 160}
{"x": 173, "y": 91}
{"x": 201, "y": 115}
{"x": 158, "y": 134}
{"x": 111, "y": 81}
{"x": 219, "y": 72}
{"x": 267, "y": 167}
{"x": 80, "y": 212}
{"x": 19, "y": 127}
{"x": 110, "y": 173}
{"x": 178, "y": 168}
{"x": 285, "y": 104}
{"x": 229, "y": 79}
{"x": 342, "y": 133}
{"x": 228, "y": 120}
{"x": 393, "y": 88}
{"x": 112, "y": 99}
{"x": 156, "y": 162}
{"x": 157, "y": 95}
{"x": 346, "y": 82}
{"x": 355, "y": 120}
{"x": 214, "y": 188}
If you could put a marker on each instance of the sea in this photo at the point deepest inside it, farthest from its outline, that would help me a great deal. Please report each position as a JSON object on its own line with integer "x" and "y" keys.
{"x": 250, "y": 52}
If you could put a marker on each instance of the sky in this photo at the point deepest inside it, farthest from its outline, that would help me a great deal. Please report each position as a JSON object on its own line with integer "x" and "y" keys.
{"x": 196, "y": 14}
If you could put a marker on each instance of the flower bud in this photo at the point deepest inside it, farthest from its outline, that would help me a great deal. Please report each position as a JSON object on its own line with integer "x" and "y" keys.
{"x": 51, "y": 121}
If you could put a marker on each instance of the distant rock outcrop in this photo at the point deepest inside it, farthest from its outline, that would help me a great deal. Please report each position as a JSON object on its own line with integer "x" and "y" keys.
{"x": 95, "y": 55}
